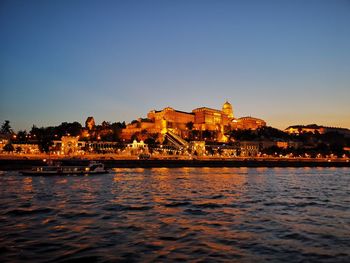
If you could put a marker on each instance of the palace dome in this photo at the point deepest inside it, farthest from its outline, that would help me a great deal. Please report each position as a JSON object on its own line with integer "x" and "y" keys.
{"x": 227, "y": 105}
{"x": 227, "y": 109}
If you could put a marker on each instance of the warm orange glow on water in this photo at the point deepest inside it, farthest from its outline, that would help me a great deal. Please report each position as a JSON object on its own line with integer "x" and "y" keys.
{"x": 46, "y": 221}
{"x": 62, "y": 181}
{"x": 28, "y": 184}
{"x": 187, "y": 213}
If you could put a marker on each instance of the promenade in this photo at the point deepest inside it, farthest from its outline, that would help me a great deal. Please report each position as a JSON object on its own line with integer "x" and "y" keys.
{"x": 18, "y": 162}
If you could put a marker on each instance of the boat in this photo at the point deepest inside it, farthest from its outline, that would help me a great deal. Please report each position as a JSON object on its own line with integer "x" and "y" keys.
{"x": 59, "y": 169}
{"x": 144, "y": 156}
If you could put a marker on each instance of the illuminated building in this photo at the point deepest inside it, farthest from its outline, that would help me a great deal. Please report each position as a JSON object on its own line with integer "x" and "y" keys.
{"x": 159, "y": 122}
{"x": 71, "y": 145}
{"x": 201, "y": 119}
{"x": 138, "y": 126}
{"x": 246, "y": 123}
{"x": 228, "y": 110}
{"x": 28, "y": 148}
{"x": 170, "y": 118}
{"x": 249, "y": 148}
{"x": 135, "y": 148}
{"x": 210, "y": 119}
{"x": 198, "y": 147}
{"x": 68, "y": 145}
{"x": 3, "y": 142}
{"x": 314, "y": 128}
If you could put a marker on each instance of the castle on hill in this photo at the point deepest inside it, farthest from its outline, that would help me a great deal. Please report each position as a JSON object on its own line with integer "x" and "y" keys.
{"x": 200, "y": 119}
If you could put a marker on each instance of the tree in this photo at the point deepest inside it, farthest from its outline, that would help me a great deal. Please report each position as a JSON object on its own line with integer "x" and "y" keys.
{"x": 22, "y": 136}
{"x": 272, "y": 150}
{"x": 6, "y": 128}
{"x": 18, "y": 149}
{"x": 73, "y": 129}
{"x": 105, "y": 125}
{"x": 150, "y": 141}
{"x": 244, "y": 135}
{"x": 189, "y": 125}
{"x": 8, "y": 147}
{"x": 135, "y": 136}
{"x": 43, "y": 137}
{"x": 206, "y": 134}
{"x": 272, "y": 133}
{"x": 194, "y": 135}
{"x": 44, "y": 144}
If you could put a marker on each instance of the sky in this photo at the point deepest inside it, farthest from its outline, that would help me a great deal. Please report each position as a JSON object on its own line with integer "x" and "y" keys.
{"x": 287, "y": 62}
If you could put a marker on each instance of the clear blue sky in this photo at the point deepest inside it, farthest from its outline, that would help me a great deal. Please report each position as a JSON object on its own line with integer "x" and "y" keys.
{"x": 287, "y": 62}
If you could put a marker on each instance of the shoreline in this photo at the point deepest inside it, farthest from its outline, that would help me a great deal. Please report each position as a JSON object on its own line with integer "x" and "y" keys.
{"x": 7, "y": 164}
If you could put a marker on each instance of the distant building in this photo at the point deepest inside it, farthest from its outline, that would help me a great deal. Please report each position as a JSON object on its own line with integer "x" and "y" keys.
{"x": 137, "y": 145}
{"x": 198, "y": 147}
{"x": 246, "y": 123}
{"x": 71, "y": 145}
{"x": 28, "y": 148}
{"x": 298, "y": 129}
{"x": 68, "y": 145}
{"x": 249, "y": 148}
{"x": 314, "y": 128}
{"x": 3, "y": 142}
{"x": 135, "y": 148}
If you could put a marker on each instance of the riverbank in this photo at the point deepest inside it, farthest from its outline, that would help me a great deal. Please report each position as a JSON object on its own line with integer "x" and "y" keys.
{"x": 22, "y": 163}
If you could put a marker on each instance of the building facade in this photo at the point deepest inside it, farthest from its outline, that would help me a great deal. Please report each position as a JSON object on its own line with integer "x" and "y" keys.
{"x": 246, "y": 123}
{"x": 200, "y": 119}
{"x": 314, "y": 128}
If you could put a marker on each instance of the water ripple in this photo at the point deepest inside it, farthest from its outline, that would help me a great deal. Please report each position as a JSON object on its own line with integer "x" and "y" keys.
{"x": 187, "y": 214}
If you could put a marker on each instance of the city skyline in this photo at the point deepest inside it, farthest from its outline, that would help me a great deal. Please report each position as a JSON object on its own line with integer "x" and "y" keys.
{"x": 286, "y": 63}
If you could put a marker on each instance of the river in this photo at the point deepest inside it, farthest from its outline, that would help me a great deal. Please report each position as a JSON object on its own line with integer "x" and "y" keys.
{"x": 178, "y": 214}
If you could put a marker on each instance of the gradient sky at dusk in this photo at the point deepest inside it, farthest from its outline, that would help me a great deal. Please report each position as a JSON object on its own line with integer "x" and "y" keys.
{"x": 287, "y": 62}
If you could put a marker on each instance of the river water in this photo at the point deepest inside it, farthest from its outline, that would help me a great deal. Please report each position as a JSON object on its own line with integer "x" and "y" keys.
{"x": 185, "y": 214}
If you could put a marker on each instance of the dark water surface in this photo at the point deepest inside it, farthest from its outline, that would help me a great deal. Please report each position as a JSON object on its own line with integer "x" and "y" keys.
{"x": 185, "y": 214}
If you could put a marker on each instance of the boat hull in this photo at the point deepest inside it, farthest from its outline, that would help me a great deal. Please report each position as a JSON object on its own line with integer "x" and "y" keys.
{"x": 48, "y": 173}
{"x": 58, "y": 169}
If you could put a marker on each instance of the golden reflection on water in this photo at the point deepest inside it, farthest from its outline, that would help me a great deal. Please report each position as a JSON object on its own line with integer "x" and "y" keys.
{"x": 261, "y": 169}
{"x": 159, "y": 172}
{"x": 218, "y": 246}
{"x": 116, "y": 178}
{"x": 46, "y": 221}
{"x": 83, "y": 223}
{"x": 22, "y": 226}
{"x": 184, "y": 186}
{"x": 27, "y": 184}
{"x": 180, "y": 213}
{"x": 60, "y": 227}
{"x": 61, "y": 205}
{"x": 62, "y": 181}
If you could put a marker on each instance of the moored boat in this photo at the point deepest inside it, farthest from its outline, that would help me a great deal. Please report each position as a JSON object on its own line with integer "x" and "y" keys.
{"x": 58, "y": 169}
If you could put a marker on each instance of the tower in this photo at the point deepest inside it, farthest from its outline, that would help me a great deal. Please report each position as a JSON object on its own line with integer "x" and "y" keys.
{"x": 227, "y": 109}
{"x": 90, "y": 123}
